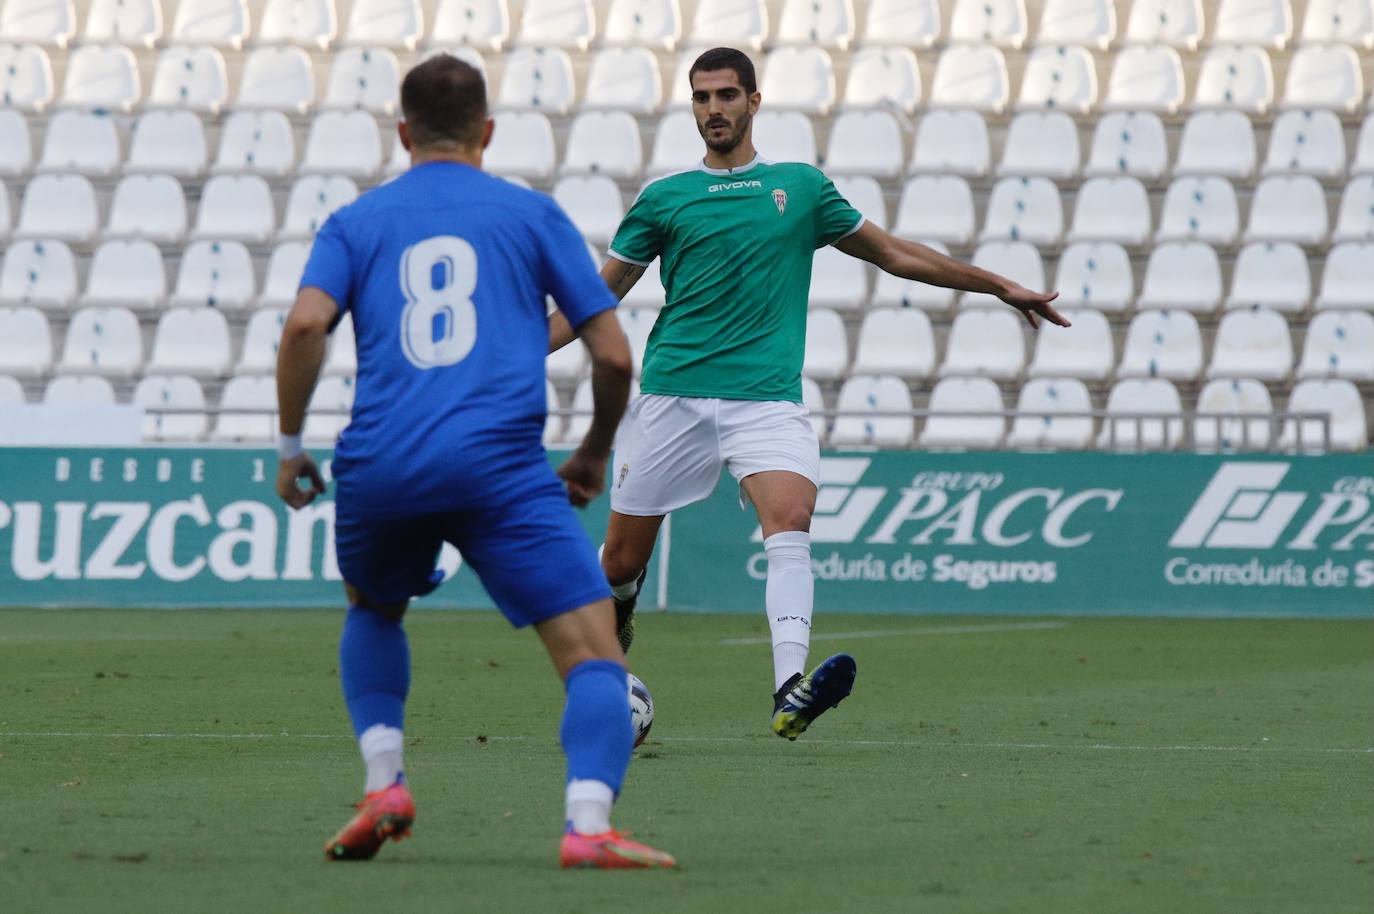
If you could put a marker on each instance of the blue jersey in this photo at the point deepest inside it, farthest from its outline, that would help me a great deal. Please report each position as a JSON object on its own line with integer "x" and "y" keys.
{"x": 446, "y": 271}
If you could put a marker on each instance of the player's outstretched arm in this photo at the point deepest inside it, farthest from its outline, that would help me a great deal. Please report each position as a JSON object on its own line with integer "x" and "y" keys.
{"x": 911, "y": 260}
{"x": 299, "y": 357}
{"x": 619, "y": 275}
{"x": 584, "y": 471}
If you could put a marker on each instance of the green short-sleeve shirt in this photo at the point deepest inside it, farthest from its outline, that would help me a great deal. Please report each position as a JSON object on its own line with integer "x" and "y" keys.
{"x": 736, "y": 250}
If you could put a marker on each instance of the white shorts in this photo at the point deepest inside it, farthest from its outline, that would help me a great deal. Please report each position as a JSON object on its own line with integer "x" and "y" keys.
{"x": 670, "y": 450}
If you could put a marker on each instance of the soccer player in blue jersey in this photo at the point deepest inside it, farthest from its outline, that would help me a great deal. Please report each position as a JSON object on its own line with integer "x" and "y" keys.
{"x": 445, "y": 271}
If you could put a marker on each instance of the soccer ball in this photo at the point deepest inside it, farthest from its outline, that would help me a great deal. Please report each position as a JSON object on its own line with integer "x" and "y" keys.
{"x": 641, "y": 708}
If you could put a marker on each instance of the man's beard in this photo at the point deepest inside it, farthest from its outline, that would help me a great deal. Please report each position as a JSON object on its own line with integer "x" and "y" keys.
{"x": 731, "y": 142}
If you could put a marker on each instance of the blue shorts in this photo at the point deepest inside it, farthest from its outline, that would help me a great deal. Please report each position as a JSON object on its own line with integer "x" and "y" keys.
{"x": 529, "y": 552}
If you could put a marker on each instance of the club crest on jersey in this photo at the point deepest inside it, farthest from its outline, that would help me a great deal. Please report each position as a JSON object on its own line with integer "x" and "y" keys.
{"x": 780, "y": 200}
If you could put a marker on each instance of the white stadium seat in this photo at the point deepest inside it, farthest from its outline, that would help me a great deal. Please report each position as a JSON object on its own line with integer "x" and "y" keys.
{"x": 1272, "y": 274}
{"x": 25, "y": 77}
{"x": 1144, "y": 396}
{"x": 1324, "y": 76}
{"x": 827, "y": 348}
{"x": 236, "y": 207}
{"x": 676, "y": 144}
{"x": 952, "y": 142}
{"x": 732, "y": 23}
{"x": 284, "y": 270}
{"x": 58, "y": 206}
{"x": 1267, "y": 23}
{"x": 939, "y": 208}
{"x": 864, "y": 194}
{"x": 1218, "y": 143}
{"x": 302, "y": 23}
{"x": 151, "y": 207}
{"x": 902, "y": 23}
{"x": 1111, "y": 209}
{"x": 1051, "y": 397}
{"x": 103, "y": 341}
{"x": 985, "y": 343}
{"x": 1288, "y": 208}
{"x": 558, "y": 24}
{"x": 1024, "y": 209}
{"x": 785, "y": 136}
{"x": 1084, "y": 350}
{"x": 999, "y": 22}
{"x": 1091, "y": 23}
{"x": 249, "y": 405}
{"x": 192, "y": 341}
{"x": 814, "y": 401}
{"x": 896, "y": 292}
{"x": 1162, "y": 344}
{"x": 221, "y": 23}
{"x": 127, "y": 273}
{"x": 1220, "y": 403}
{"x": 193, "y": 78}
{"x": 367, "y": 79}
{"x": 167, "y": 142}
{"x": 101, "y": 77}
{"x": 1339, "y": 344}
{"x": 39, "y": 273}
{"x": 1338, "y": 399}
{"x": 865, "y": 143}
{"x": 1182, "y": 274}
{"x": 1355, "y": 221}
{"x": 482, "y": 24}
{"x": 1200, "y": 209}
{"x": 679, "y": 94}
{"x": 1347, "y": 281}
{"x": 624, "y": 79}
{"x": 568, "y": 363}
{"x": 75, "y": 390}
{"x": 522, "y": 145}
{"x": 16, "y": 144}
{"x": 25, "y": 343}
{"x": 895, "y": 342}
{"x": 80, "y": 141}
{"x": 1252, "y": 343}
{"x": 329, "y": 409}
{"x": 859, "y": 398}
{"x": 1095, "y": 274}
{"x": 1043, "y": 143}
{"x": 1128, "y": 143}
{"x": 883, "y": 77}
{"x": 385, "y": 23}
{"x": 801, "y": 79}
{"x": 1176, "y": 23}
{"x": 1148, "y": 78}
{"x": 157, "y": 393}
{"x": 637, "y": 323}
{"x": 311, "y": 202}
{"x": 261, "y": 339}
{"x": 343, "y": 349}
{"x": 1306, "y": 142}
{"x": 1060, "y": 77}
{"x": 277, "y": 78}
{"x": 951, "y": 426}
{"x": 11, "y": 391}
{"x": 593, "y": 203}
{"x": 260, "y": 142}
{"x": 648, "y": 292}
{"x": 539, "y": 78}
{"x": 971, "y": 76}
{"x": 816, "y": 23}
{"x": 1016, "y": 260}
{"x": 837, "y": 280}
{"x": 343, "y": 143}
{"x": 132, "y": 22}
{"x": 604, "y": 142}
{"x": 656, "y": 24}
{"x": 1239, "y": 78}
{"x": 1339, "y": 22}
{"x": 48, "y": 22}
{"x": 215, "y": 273}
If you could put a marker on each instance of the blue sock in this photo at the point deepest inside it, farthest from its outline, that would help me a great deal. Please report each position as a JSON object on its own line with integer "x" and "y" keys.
{"x": 374, "y": 664}
{"x": 596, "y": 732}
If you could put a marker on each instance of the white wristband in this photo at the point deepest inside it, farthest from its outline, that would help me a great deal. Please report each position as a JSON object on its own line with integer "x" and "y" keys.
{"x": 289, "y": 446}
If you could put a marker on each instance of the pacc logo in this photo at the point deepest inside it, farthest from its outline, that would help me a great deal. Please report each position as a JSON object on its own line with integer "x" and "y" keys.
{"x": 1242, "y": 509}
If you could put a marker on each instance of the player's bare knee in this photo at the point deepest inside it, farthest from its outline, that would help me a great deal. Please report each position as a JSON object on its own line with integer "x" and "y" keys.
{"x": 620, "y": 563}
{"x": 793, "y": 518}
{"x": 361, "y": 600}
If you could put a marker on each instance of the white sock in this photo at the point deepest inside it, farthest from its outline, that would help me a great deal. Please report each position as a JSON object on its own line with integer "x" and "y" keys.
{"x": 381, "y": 747}
{"x": 589, "y": 806}
{"x": 788, "y": 598}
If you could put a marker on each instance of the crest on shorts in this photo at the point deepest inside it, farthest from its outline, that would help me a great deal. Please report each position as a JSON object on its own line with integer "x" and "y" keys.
{"x": 780, "y": 200}
{"x": 624, "y": 468}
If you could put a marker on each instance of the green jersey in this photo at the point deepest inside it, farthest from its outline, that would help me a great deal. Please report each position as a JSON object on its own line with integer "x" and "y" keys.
{"x": 736, "y": 249}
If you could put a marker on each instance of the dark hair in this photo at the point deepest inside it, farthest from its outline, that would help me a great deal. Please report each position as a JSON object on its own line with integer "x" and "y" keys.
{"x": 727, "y": 59}
{"x": 444, "y": 100}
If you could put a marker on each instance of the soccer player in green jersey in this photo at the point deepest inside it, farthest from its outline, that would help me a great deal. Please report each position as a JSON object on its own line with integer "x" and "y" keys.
{"x": 721, "y": 383}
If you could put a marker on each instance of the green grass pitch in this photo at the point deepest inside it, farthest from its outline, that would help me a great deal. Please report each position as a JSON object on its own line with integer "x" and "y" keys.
{"x": 196, "y": 761}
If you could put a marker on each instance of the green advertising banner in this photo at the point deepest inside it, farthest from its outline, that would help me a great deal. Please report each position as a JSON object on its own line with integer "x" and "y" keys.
{"x": 902, "y": 532}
